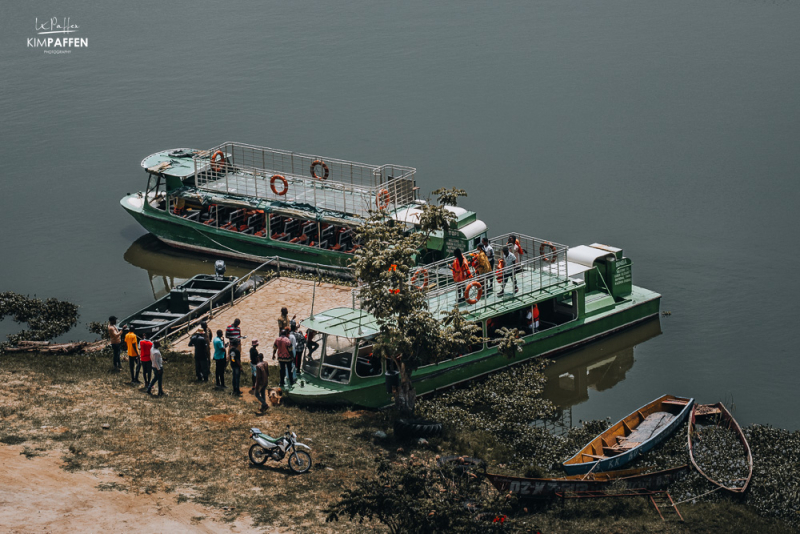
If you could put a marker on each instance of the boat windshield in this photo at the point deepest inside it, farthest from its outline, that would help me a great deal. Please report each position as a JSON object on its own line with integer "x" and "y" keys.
{"x": 337, "y": 358}
{"x": 367, "y": 364}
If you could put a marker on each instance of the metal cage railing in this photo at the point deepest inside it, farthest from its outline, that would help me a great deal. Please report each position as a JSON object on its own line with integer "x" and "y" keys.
{"x": 534, "y": 274}
{"x": 329, "y": 184}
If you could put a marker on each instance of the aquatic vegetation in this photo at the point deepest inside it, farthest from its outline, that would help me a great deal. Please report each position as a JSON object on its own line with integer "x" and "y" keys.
{"x": 46, "y": 319}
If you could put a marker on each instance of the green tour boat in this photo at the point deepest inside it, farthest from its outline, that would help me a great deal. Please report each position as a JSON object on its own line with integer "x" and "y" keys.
{"x": 579, "y": 294}
{"x": 254, "y": 203}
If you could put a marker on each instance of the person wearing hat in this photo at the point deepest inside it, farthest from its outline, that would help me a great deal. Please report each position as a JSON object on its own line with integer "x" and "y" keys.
{"x": 201, "y": 354}
{"x": 253, "y": 362}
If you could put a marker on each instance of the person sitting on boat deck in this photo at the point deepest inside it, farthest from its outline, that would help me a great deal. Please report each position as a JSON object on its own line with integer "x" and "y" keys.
{"x": 201, "y": 354}
{"x": 233, "y": 330}
{"x": 145, "y": 347}
{"x": 310, "y": 343}
{"x": 532, "y": 319}
{"x": 283, "y": 347}
{"x": 220, "y": 360}
{"x": 115, "y": 337}
{"x": 253, "y": 362}
{"x": 235, "y": 355}
{"x": 158, "y": 369}
{"x": 487, "y": 248}
{"x": 461, "y": 273}
{"x": 509, "y": 273}
{"x": 262, "y": 379}
{"x": 133, "y": 354}
{"x": 299, "y": 343}
{"x": 483, "y": 269}
{"x": 515, "y": 247}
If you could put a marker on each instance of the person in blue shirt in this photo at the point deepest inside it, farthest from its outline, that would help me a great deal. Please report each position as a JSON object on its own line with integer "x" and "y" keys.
{"x": 220, "y": 360}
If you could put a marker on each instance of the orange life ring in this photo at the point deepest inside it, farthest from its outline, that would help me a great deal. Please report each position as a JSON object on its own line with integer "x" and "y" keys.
{"x": 216, "y": 166}
{"x": 424, "y": 273}
{"x": 552, "y": 249}
{"x": 478, "y": 296}
{"x": 274, "y": 179}
{"x": 383, "y": 194}
{"x": 324, "y": 168}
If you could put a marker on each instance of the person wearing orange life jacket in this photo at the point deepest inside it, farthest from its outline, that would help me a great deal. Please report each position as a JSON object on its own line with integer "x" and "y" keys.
{"x": 461, "y": 273}
{"x": 501, "y": 263}
{"x": 532, "y": 319}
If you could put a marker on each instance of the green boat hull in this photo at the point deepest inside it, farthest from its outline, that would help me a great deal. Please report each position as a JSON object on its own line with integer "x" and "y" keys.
{"x": 189, "y": 235}
{"x": 371, "y": 392}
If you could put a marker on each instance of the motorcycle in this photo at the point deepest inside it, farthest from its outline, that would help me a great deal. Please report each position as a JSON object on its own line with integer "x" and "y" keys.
{"x": 269, "y": 448}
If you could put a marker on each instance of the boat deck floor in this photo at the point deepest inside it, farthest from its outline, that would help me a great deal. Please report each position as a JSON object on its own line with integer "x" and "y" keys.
{"x": 492, "y": 303}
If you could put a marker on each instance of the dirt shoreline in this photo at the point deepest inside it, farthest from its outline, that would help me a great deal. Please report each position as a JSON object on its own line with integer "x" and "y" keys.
{"x": 37, "y": 495}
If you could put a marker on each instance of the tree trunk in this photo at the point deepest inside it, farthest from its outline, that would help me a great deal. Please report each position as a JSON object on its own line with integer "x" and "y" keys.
{"x": 405, "y": 399}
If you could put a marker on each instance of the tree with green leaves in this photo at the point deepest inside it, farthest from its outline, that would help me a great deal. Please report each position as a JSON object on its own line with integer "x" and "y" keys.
{"x": 409, "y": 335}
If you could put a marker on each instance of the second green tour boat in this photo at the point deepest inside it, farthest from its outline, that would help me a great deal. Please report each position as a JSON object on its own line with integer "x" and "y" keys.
{"x": 559, "y": 298}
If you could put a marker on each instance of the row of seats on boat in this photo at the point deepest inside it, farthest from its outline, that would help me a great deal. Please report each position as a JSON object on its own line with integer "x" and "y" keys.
{"x": 284, "y": 228}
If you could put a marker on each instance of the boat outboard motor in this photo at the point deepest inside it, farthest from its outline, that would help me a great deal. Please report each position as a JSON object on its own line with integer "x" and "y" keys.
{"x": 219, "y": 268}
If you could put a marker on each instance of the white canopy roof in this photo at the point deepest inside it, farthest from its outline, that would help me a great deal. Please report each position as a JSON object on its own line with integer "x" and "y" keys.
{"x": 581, "y": 258}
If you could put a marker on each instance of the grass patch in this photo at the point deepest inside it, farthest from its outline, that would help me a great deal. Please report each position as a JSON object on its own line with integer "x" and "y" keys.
{"x": 171, "y": 444}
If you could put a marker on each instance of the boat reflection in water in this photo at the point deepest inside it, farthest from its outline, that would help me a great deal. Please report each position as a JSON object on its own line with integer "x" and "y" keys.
{"x": 167, "y": 267}
{"x": 599, "y": 366}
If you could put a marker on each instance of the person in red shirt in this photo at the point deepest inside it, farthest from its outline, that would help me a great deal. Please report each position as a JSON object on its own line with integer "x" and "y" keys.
{"x": 145, "y": 347}
{"x": 461, "y": 273}
{"x": 283, "y": 348}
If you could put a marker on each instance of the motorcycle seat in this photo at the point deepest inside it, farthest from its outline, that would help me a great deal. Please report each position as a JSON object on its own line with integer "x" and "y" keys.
{"x": 268, "y": 438}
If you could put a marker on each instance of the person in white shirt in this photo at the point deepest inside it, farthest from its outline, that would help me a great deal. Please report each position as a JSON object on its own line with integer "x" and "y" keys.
{"x": 509, "y": 270}
{"x": 158, "y": 369}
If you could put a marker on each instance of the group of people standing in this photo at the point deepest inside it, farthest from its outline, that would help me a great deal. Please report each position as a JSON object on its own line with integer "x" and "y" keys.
{"x": 482, "y": 261}
{"x": 143, "y": 355}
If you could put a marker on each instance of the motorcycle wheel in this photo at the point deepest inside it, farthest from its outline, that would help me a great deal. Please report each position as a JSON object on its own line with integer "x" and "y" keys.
{"x": 257, "y": 454}
{"x": 299, "y": 461}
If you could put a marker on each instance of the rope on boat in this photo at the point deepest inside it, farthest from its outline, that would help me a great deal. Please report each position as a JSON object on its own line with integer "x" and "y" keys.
{"x": 698, "y": 496}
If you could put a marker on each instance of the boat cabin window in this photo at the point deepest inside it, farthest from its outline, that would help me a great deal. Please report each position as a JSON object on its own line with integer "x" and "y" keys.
{"x": 337, "y": 358}
{"x": 552, "y": 312}
{"x": 367, "y": 364}
{"x": 156, "y": 192}
{"x": 312, "y": 359}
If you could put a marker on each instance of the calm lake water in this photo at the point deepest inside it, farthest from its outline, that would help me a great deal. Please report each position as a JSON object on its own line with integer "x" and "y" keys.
{"x": 669, "y": 129}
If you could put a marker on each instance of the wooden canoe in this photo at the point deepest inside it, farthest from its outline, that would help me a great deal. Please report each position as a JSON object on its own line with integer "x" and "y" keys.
{"x": 723, "y": 418}
{"x": 532, "y": 488}
{"x": 632, "y": 436}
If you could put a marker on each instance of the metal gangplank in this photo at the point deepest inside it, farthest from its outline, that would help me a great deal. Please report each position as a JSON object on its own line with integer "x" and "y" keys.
{"x": 325, "y": 183}
{"x": 543, "y": 268}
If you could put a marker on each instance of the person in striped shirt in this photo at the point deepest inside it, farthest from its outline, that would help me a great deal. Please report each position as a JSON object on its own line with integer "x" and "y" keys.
{"x": 233, "y": 330}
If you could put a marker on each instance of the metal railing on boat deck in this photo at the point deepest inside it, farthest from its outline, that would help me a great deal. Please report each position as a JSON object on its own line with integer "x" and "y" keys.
{"x": 534, "y": 274}
{"x": 328, "y": 184}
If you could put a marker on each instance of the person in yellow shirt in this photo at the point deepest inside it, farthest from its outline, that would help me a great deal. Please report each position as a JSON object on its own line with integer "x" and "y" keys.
{"x": 482, "y": 268}
{"x": 133, "y": 354}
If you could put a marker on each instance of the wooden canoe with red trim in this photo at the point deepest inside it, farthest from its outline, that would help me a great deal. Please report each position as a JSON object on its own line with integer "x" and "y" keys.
{"x": 723, "y": 418}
